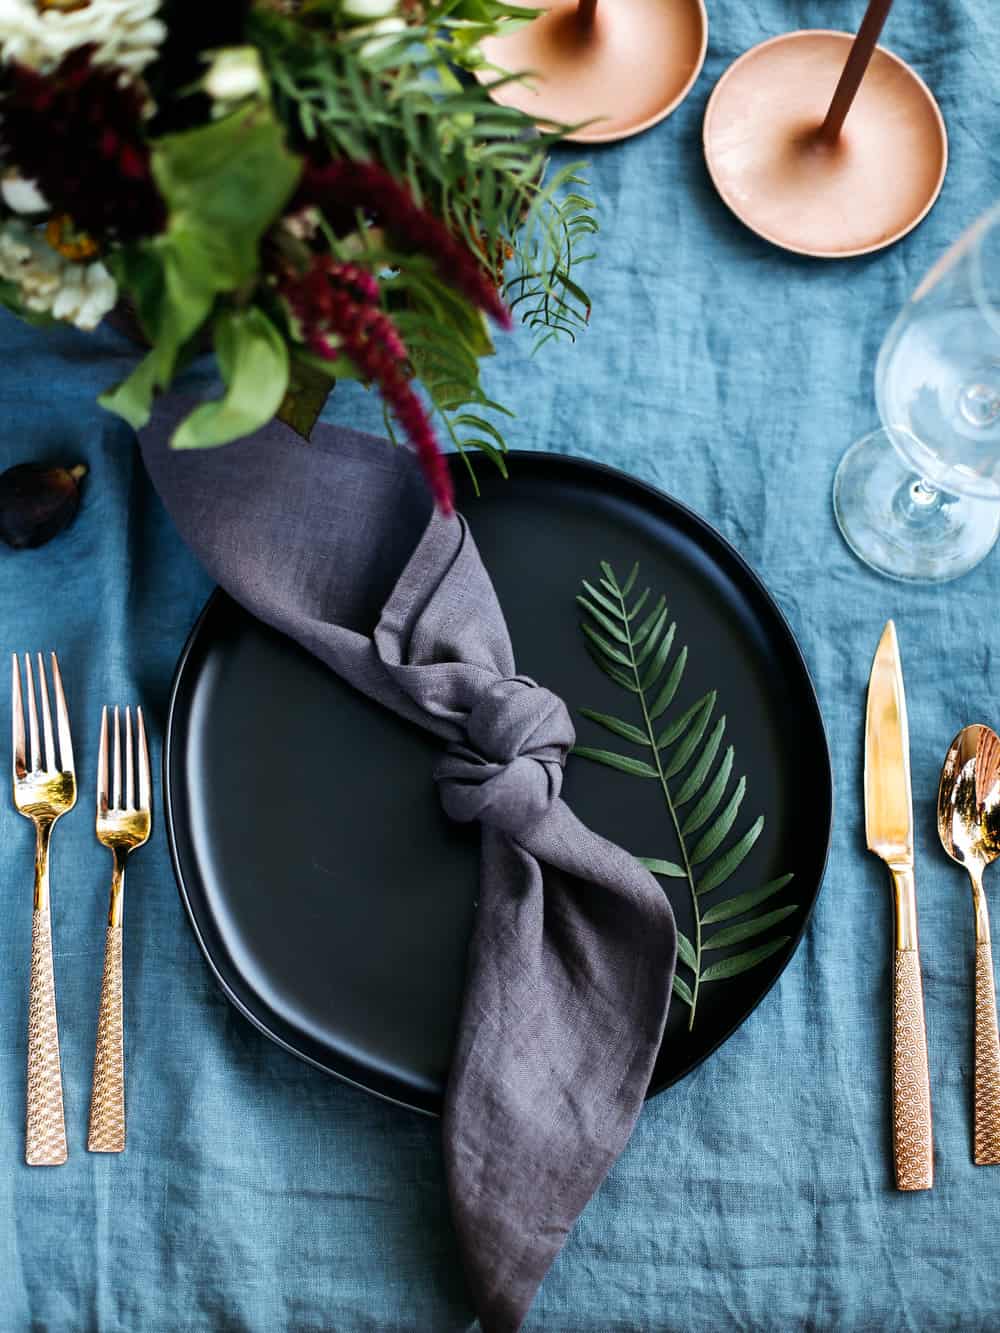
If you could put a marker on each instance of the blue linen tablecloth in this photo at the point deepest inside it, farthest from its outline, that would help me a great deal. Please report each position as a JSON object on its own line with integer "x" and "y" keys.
{"x": 257, "y": 1194}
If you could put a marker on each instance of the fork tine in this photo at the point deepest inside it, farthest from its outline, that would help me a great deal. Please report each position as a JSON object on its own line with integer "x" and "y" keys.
{"x": 17, "y": 719}
{"x": 144, "y": 778}
{"x": 102, "y": 765}
{"x": 50, "y": 745}
{"x": 36, "y": 759}
{"x": 62, "y": 720}
{"x": 116, "y": 767}
{"x": 129, "y": 770}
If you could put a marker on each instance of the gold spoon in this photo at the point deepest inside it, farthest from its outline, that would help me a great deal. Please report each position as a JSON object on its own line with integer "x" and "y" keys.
{"x": 969, "y": 828}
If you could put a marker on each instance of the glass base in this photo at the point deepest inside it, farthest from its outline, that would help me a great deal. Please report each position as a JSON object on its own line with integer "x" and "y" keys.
{"x": 900, "y": 525}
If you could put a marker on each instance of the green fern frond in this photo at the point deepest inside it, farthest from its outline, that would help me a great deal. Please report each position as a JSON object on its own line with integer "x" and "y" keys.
{"x": 479, "y": 166}
{"x": 638, "y": 655}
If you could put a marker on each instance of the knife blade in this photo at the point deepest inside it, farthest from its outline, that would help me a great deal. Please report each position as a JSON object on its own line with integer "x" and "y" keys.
{"x": 889, "y": 831}
{"x": 888, "y": 798}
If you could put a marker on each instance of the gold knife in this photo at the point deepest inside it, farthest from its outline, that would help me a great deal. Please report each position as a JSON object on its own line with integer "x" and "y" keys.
{"x": 889, "y": 827}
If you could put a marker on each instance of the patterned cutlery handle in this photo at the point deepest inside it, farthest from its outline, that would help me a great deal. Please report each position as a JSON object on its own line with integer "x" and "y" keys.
{"x": 45, "y": 1140}
{"x": 986, "y": 1138}
{"x": 107, "y": 1098}
{"x": 912, "y": 1139}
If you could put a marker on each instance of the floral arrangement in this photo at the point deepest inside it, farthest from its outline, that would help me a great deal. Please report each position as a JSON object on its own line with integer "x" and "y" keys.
{"x": 319, "y": 185}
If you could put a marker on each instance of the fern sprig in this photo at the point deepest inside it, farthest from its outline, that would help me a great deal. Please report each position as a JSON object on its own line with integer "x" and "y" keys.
{"x": 637, "y": 654}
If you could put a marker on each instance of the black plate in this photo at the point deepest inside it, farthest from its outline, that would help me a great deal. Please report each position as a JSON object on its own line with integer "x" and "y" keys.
{"x": 331, "y": 896}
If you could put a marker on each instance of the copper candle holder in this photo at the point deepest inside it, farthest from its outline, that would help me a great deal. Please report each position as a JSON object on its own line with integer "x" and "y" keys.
{"x": 612, "y": 68}
{"x": 826, "y": 144}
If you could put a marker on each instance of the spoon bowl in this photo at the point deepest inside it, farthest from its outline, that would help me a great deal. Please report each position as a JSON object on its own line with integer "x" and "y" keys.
{"x": 969, "y": 798}
{"x": 969, "y": 829}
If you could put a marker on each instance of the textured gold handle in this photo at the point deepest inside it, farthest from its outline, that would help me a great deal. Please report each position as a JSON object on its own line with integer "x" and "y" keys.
{"x": 912, "y": 1140}
{"x": 107, "y": 1098}
{"x": 986, "y": 1138}
{"x": 45, "y": 1141}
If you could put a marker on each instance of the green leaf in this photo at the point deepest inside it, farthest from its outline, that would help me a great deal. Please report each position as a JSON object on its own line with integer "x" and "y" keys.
{"x": 604, "y": 621}
{"x": 660, "y": 867}
{"x": 666, "y": 696}
{"x": 630, "y": 581}
{"x": 743, "y": 902}
{"x": 742, "y": 962}
{"x": 685, "y": 951}
{"x": 606, "y": 648}
{"x": 132, "y": 399}
{"x": 224, "y": 183}
{"x": 623, "y": 762}
{"x": 657, "y": 615}
{"x": 691, "y": 739}
{"x": 639, "y": 604}
{"x": 705, "y": 807}
{"x": 706, "y": 759}
{"x": 678, "y": 727}
{"x": 731, "y": 860}
{"x": 609, "y": 574}
{"x": 307, "y": 392}
{"x": 253, "y": 360}
{"x": 746, "y": 930}
{"x": 615, "y": 724}
{"x": 714, "y": 837}
{"x": 654, "y": 634}
{"x": 616, "y": 673}
{"x": 173, "y": 298}
{"x": 652, "y": 673}
{"x": 605, "y": 602}
{"x": 683, "y": 991}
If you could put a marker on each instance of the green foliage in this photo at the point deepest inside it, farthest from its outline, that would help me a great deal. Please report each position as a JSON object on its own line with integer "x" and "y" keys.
{"x": 478, "y": 166}
{"x": 224, "y": 184}
{"x": 446, "y": 338}
{"x": 253, "y": 360}
{"x": 637, "y": 654}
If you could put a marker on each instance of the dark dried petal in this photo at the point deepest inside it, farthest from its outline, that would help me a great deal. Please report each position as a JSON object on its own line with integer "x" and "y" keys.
{"x": 37, "y": 501}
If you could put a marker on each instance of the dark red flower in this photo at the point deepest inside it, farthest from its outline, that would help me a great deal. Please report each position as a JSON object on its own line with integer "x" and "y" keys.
{"x": 337, "y": 308}
{"x": 77, "y": 132}
{"x": 341, "y": 188}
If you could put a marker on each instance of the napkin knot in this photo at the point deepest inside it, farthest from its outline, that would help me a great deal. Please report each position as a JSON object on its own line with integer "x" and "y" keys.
{"x": 508, "y": 769}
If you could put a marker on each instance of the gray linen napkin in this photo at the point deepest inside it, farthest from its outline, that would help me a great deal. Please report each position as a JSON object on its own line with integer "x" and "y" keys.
{"x": 335, "y": 544}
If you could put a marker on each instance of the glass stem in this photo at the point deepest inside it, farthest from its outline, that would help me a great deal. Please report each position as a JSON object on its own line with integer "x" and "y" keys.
{"x": 917, "y": 502}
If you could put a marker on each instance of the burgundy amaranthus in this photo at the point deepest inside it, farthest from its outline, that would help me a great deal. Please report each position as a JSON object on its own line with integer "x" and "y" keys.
{"x": 333, "y": 300}
{"x": 77, "y": 133}
{"x": 340, "y": 188}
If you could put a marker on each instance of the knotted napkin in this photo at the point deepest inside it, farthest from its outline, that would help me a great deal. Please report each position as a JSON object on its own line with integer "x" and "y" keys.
{"x": 335, "y": 543}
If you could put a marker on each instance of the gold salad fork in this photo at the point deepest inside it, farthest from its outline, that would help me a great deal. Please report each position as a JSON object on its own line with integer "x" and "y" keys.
{"x": 121, "y": 827}
{"x": 42, "y": 794}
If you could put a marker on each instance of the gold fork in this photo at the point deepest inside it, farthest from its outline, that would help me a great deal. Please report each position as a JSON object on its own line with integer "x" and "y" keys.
{"x": 121, "y": 828}
{"x": 42, "y": 795}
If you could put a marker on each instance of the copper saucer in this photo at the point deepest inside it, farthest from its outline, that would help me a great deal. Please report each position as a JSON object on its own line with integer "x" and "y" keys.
{"x": 626, "y": 69}
{"x": 862, "y": 193}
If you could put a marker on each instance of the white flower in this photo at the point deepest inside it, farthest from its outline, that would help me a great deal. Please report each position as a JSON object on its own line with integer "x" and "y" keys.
{"x": 368, "y": 9}
{"x": 80, "y": 294}
{"x": 20, "y": 195}
{"x": 87, "y": 293}
{"x": 27, "y": 260}
{"x": 126, "y": 33}
{"x": 383, "y": 34}
{"x": 235, "y": 73}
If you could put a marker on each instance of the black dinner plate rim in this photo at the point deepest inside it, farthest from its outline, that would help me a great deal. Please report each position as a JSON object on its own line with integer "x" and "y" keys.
{"x": 822, "y": 759}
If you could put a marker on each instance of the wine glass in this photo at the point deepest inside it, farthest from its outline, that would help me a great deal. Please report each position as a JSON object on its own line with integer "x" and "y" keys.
{"x": 919, "y": 500}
